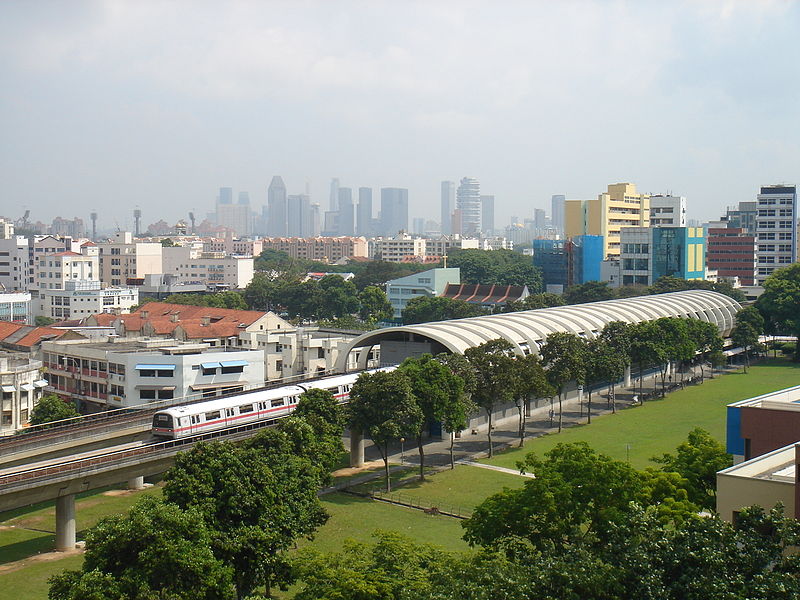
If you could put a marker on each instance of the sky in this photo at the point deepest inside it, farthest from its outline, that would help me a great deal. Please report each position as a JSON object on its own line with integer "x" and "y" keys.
{"x": 110, "y": 105}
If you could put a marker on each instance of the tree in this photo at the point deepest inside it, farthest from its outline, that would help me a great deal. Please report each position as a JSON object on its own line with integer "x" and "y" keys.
{"x": 670, "y": 283}
{"x": 229, "y": 299}
{"x": 675, "y": 344}
{"x": 591, "y": 291}
{"x": 493, "y": 362}
{"x": 601, "y": 362}
{"x": 697, "y": 460}
{"x": 503, "y": 267}
{"x": 532, "y": 302}
{"x": 752, "y": 316}
{"x": 382, "y": 406}
{"x": 746, "y": 337}
{"x": 168, "y": 243}
{"x": 378, "y": 272}
{"x": 42, "y": 321}
{"x": 616, "y": 337}
{"x": 646, "y": 348}
{"x": 706, "y": 339}
{"x": 434, "y": 386}
{"x": 423, "y": 309}
{"x": 530, "y": 381}
{"x": 375, "y": 306}
{"x": 564, "y": 357}
{"x": 262, "y": 292}
{"x": 458, "y": 408}
{"x": 300, "y": 299}
{"x": 155, "y": 551}
{"x": 256, "y": 503}
{"x": 52, "y": 408}
{"x": 337, "y": 297}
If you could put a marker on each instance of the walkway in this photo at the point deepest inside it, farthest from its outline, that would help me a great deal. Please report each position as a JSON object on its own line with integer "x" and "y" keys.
{"x": 495, "y": 468}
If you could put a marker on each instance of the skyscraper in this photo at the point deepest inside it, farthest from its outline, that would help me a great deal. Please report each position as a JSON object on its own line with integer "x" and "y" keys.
{"x": 346, "y": 211}
{"x": 299, "y": 218}
{"x": 334, "y": 198}
{"x": 418, "y": 226}
{"x": 448, "y": 206}
{"x": 225, "y": 195}
{"x": 276, "y": 208}
{"x": 557, "y": 212}
{"x": 776, "y": 229}
{"x": 468, "y": 203}
{"x": 394, "y": 210}
{"x": 487, "y": 215}
{"x": 364, "y": 213}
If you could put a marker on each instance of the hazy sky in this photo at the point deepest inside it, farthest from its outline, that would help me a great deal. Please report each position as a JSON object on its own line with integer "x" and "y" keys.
{"x": 108, "y": 105}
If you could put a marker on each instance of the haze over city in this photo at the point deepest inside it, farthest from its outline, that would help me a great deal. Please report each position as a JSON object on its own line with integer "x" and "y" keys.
{"x": 111, "y": 105}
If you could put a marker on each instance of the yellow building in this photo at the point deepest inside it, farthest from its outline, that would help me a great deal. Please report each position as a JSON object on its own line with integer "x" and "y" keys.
{"x": 621, "y": 206}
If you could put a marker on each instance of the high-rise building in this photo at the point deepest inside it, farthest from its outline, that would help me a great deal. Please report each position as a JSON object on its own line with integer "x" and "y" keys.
{"x": 364, "y": 212}
{"x": 394, "y": 210}
{"x": 316, "y": 219}
{"x": 539, "y": 220}
{"x": 776, "y": 229}
{"x": 346, "y": 211}
{"x": 244, "y": 197}
{"x": 448, "y": 206}
{"x": 487, "y": 215}
{"x": 731, "y": 252}
{"x": 276, "y": 207}
{"x": 236, "y": 217}
{"x": 334, "y": 197}
{"x": 667, "y": 211}
{"x": 468, "y": 202}
{"x": 298, "y": 220}
{"x": 649, "y": 253}
{"x": 557, "y": 212}
{"x": 621, "y": 206}
{"x": 225, "y": 195}
{"x": 417, "y": 225}
{"x": 742, "y": 216}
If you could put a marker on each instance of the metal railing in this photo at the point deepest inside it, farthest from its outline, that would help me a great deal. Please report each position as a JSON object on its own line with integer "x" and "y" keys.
{"x": 427, "y": 506}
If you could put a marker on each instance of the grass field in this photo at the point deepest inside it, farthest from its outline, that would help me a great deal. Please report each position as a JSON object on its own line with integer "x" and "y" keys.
{"x": 658, "y": 426}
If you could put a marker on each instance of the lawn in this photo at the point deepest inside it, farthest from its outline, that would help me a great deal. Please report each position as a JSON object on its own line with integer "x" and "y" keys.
{"x": 658, "y": 426}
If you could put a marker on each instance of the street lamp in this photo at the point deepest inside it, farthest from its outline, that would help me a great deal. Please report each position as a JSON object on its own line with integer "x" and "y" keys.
{"x": 402, "y": 450}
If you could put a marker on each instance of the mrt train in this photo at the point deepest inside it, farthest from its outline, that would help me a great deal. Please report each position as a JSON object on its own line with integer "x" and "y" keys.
{"x": 191, "y": 419}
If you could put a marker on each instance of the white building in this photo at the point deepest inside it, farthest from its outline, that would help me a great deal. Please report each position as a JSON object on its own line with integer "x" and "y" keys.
{"x": 16, "y": 307}
{"x": 81, "y": 298}
{"x": 14, "y": 268}
{"x": 21, "y": 384}
{"x": 776, "y": 229}
{"x": 54, "y": 270}
{"x": 667, "y": 211}
{"x": 123, "y": 373}
{"x": 427, "y": 283}
{"x": 123, "y": 258}
{"x": 214, "y": 269}
{"x": 398, "y": 248}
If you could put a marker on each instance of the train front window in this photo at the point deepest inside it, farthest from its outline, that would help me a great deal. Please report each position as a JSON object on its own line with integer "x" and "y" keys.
{"x": 162, "y": 421}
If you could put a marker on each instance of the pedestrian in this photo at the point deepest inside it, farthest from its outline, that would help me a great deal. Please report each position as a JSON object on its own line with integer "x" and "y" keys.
{"x": 636, "y": 398}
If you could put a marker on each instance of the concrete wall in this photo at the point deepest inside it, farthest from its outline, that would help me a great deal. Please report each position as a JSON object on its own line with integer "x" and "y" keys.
{"x": 736, "y": 492}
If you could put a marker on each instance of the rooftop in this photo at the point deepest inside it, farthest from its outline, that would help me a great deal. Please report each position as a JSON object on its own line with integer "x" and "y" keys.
{"x": 778, "y": 465}
{"x": 786, "y": 399}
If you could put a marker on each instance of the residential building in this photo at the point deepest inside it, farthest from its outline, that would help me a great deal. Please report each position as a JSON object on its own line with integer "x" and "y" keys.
{"x": 448, "y": 205}
{"x": 80, "y": 298}
{"x": 621, "y": 206}
{"x": 68, "y": 227}
{"x": 217, "y": 270}
{"x": 468, "y": 203}
{"x": 667, "y": 211}
{"x": 427, "y": 283}
{"x": 125, "y": 261}
{"x": 21, "y": 383}
{"x": 232, "y": 245}
{"x": 439, "y": 246}
{"x": 346, "y": 212}
{"x": 650, "y": 253}
{"x": 487, "y": 295}
{"x": 364, "y": 213}
{"x": 487, "y": 215}
{"x": 16, "y": 308}
{"x": 557, "y": 212}
{"x": 321, "y": 249}
{"x": 776, "y": 229}
{"x": 54, "y": 270}
{"x": 401, "y": 247}
{"x": 394, "y": 210}
{"x": 6, "y": 229}
{"x": 731, "y": 251}
{"x": 123, "y": 373}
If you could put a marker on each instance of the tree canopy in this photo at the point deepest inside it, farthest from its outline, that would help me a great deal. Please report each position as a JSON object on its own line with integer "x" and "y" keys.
{"x": 52, "y": 408}
{"x": 424, "y": 309}
{"x": 503, "y": 267}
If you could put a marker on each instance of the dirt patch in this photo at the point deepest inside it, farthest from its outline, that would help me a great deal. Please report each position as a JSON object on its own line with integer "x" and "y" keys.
{"x": 348, "y": 471}
{"x": 43, "y": 557}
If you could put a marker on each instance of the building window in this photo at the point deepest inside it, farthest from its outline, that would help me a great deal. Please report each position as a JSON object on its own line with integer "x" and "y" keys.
{"x": 147, "y": 394}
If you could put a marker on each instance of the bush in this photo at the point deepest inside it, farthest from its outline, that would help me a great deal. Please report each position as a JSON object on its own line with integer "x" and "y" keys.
{"x": 787, "y": 348}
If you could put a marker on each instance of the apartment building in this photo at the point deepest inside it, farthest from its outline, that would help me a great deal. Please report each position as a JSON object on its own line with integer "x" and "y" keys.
{"x": 123, "y": 259}
{"x": 217, "y": 270}
{"x": 427, "y": 283}
{"x": 21, "y": 383}
{"x": 321, "y": 249}
{"x": 776, "y": 229}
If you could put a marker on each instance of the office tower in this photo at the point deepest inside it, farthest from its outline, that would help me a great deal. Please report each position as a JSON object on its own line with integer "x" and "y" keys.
{"x": 731, "y": 252}
{"x": 346, "y": 212}
{"x": 334, "y": 198}
{"x": 776, "y": 229}
{"x": 468, "y": 202}
{"x": 315, "y": 220}
{"x": 557, "y": 212}
{"x": 487, "y": 215}
{"x": 225, "y": 195}
{"x": 539, "y": 219}
{"x": 276, "y": 208}
{"x": 621, "y": 206}
{"x": 667, "y": 211}
{"x": 298, "y": 219}
{"x": 417, "y": 225}
{"x": 448, "y": 206}
{"x": 743, "y": 217}
{"x": 394, "y": 210}
{"x": 244, "y": 197}
{"x": 364, "y": 213}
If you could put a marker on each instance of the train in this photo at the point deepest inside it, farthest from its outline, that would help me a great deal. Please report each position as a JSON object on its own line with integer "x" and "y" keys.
{"x": 192, "y": 419}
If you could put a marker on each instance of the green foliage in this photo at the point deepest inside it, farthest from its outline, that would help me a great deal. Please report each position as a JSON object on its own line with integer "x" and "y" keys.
{"x": 156, "y": 551}
{"x": 256, "y": 502}
{"x": 229, "y": 299}
{"x": 52, "y": 408}
{"x": 262, "y": 292}
{"x": 706, "y": 339}
{"x": 591, "y": 291}
{"x": 530, "y": 381}
{"x": 564, "y": 357}
{"x": 753, "y": 317}
{"x": 375, "y": 305}
{"x": 669, "y": 283}
{"x": 336, "y": 297}
{"x": 42, "y": 321}
{"x": 745, "y": 336}
{"x": 697, "y": 460}
{"x": 424, "y": 309}
{"x": 378, "y": 272}
{"x": 503, "y": 267}
{"x": 168, "y": 243}
{"x": 533, "y": 301}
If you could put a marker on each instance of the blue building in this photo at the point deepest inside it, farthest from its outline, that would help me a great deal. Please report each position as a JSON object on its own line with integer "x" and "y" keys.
{"x": 569, "y": 262}
{"x": 648, "y": 253}
{"x": 587, "y": 254}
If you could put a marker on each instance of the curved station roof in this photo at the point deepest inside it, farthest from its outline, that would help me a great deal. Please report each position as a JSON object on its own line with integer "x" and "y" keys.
{"x": 528, "y": 329}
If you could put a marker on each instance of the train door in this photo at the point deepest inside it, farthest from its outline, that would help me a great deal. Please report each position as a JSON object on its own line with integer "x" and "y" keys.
{"x": 229, "y": 414}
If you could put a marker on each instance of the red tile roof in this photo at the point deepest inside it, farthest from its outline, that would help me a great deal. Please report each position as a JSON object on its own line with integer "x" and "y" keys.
{"x": 196, "y": 322}
{"x": 12, "y": 334}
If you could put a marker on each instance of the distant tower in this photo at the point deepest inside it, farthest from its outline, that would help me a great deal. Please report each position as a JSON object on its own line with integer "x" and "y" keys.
{"x": 191, "y": 218}
{"x": 137, "y": 217}
{"x": 93, "y": 217}
{"x": 468, "y": 201}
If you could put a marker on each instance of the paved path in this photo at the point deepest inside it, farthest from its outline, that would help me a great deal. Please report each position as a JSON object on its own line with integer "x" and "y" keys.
{"x": 472, "y": 463}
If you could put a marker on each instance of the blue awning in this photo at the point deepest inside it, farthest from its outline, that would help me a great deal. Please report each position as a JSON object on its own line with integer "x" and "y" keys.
{"x": 210, "y": 365}
{"x": 234, "y": 363}
{"x": 156, "y": 367}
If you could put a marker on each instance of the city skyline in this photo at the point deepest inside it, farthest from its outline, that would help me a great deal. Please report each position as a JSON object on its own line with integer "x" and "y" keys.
{"x": 110, "y": 112}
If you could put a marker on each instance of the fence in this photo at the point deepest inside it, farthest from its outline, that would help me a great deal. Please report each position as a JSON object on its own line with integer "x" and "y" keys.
{"x": 438, "y": 508}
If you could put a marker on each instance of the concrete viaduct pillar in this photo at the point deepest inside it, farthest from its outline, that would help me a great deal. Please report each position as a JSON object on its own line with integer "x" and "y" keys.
{"x": 65, "y": 523}
{"x": 136, "y": 483}
{"x": 627, "y": 377}
{"x": 356, "y": 448}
